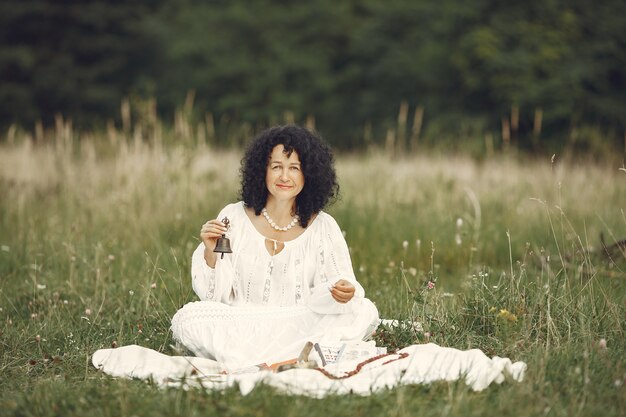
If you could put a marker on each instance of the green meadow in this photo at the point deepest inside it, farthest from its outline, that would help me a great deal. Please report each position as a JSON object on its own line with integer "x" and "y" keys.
{"x": 96, "y": 237}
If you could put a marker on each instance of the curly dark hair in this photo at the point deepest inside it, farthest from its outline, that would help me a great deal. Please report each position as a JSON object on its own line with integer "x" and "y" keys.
{"x": 316, "y": 159}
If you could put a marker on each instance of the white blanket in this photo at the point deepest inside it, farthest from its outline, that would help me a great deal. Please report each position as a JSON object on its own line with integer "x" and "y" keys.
{"x": 424, "y": 364}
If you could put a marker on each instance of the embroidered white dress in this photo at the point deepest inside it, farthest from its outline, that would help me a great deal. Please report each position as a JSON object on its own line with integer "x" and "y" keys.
{"x": 261, "y": 308}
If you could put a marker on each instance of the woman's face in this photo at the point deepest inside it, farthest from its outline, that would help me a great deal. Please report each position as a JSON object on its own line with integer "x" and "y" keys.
{"x": 284, "y": 178}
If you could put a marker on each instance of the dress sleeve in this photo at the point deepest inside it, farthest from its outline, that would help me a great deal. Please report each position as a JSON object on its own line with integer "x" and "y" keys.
{"x": 333, "y": 264}
{"x": 212, "y": 284}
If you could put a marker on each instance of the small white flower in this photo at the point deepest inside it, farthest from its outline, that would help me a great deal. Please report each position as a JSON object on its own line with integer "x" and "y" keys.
{"x": 618, "y": 383}
{"x": 457, "y": 239}
{"x": 111, "y": 257}
{"x": 41, "y": 286}
{"x": 412, "y": 271}
{"x": 88, "y": 312}
{"x": 5, "y": 248}
{"x": 405, "y": 244}
{"x": 153, "y": 285}
{"x": 459, "y": 223}
{"x": 65, "y": 302}
{"x": 131, "y": 292}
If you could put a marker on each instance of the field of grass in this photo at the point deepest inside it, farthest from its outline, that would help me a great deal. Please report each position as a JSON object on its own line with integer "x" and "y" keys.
{"x": 95, "y": 245}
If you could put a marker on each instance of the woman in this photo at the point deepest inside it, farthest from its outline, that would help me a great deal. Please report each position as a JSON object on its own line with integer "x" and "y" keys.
{"x": 289, "y": 279}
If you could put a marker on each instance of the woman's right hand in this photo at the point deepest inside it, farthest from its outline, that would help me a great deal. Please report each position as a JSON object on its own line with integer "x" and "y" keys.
{"x": 209, "y": 233}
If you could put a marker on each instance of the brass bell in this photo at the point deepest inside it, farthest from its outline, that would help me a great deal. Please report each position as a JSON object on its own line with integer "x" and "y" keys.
{"x": 223, "y": 243}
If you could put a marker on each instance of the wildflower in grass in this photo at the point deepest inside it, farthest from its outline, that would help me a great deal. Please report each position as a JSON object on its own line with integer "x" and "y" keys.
{"x": 41, "y": 286}
{"x": 505, "y": 314}
{"x": 430, "y": 285}
{"x": 38, "y": 338}
{"x": 412, "y": 271}
{"x": 131, "y": 292}
{"x": 405, "y": 244}
{"x": 492, "y": 310}
{"x": 153, "y": 285}
{"x": 602, "y": 343}
{"x": 88, "y": 312}
{"x": 111, "y": 257}
{"x": 459, "y": 223}
{"x": 5, "y": 248}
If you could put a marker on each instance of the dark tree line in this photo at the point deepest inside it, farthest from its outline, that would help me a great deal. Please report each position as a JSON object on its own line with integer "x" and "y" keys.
{"x": 472, "y": 66}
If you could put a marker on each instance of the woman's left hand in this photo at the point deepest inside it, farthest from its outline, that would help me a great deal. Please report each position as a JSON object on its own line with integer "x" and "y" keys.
{"x": 342, "y": 291}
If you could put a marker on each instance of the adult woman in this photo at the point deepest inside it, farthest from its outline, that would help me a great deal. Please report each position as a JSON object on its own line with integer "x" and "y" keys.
{"x": 289, "y": 279}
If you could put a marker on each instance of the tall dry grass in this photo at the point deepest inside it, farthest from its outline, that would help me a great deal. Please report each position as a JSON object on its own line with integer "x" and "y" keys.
{"x": 96, "y": 235}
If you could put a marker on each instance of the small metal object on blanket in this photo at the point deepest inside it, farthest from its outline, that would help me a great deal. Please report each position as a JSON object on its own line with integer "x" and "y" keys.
{"x": 303, "y": 361}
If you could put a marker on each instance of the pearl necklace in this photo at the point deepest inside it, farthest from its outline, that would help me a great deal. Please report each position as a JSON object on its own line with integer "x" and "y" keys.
{"x": 272, "y": 223}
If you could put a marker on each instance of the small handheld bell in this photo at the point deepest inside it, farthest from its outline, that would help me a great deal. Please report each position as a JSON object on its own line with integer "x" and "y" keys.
{"x": 223, "y": 243}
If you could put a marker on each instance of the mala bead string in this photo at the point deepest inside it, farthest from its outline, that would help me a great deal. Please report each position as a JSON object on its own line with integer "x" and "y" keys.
{"x": 362, "y": 364}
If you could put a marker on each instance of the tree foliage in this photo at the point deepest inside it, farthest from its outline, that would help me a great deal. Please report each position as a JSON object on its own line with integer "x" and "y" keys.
{"x": 347, "y": 63}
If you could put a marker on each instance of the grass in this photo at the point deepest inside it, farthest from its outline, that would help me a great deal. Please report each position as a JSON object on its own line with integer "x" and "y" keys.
{"x": 96, "y": 237}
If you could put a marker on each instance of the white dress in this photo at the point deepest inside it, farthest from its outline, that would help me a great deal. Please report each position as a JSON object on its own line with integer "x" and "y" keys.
{"x": 257, "y": 308}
